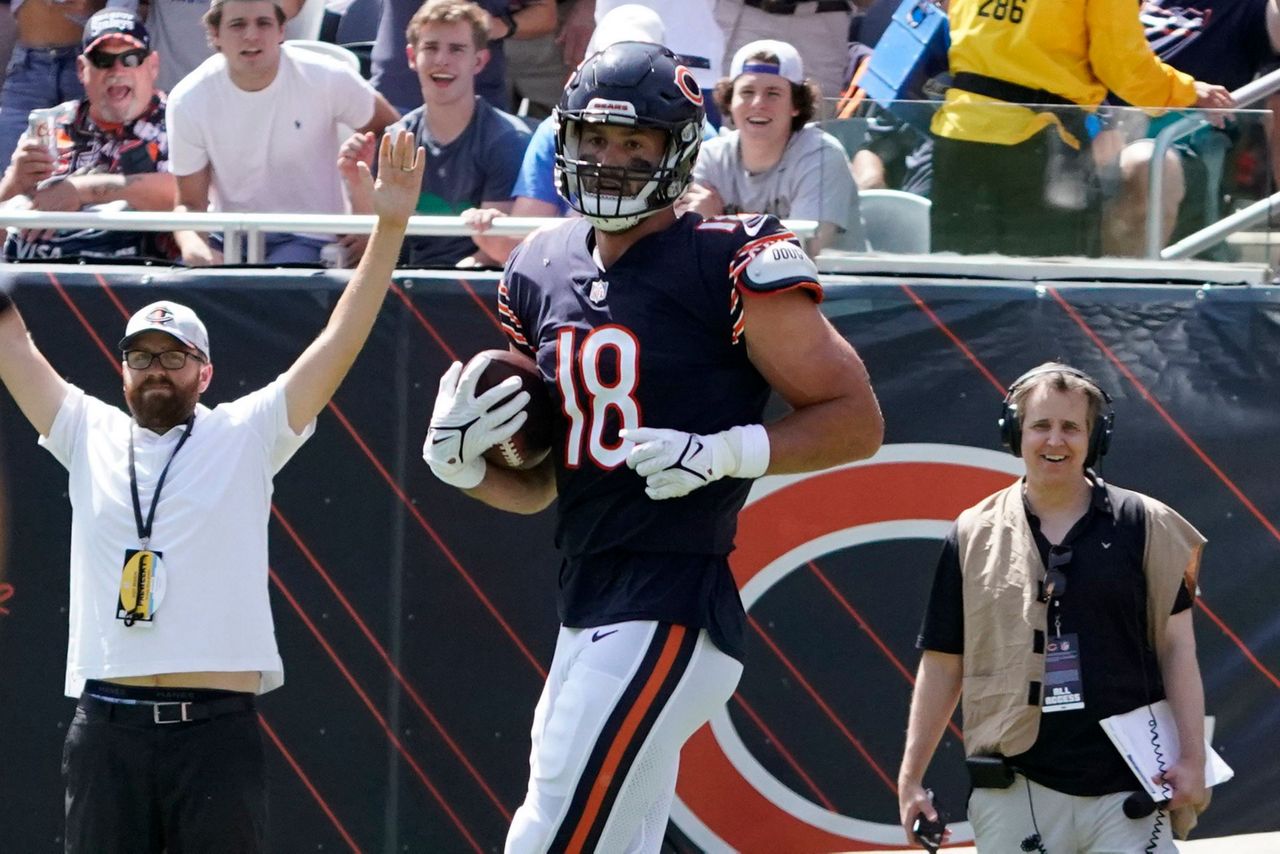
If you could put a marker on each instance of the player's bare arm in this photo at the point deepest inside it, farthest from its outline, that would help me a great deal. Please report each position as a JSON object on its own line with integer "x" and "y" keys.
{"x": 312, "y": 380}
{"x": 36, "y": 387}
{"x": 835, "y": 417}
{"x": 526, "y": 491}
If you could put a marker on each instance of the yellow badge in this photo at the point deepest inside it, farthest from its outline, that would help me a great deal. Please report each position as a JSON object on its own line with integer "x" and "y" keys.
{"x": 141, "y": 587}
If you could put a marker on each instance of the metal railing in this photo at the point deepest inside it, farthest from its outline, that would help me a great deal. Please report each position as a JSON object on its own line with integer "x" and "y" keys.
{"x": 1244, "y": 96}
{"x": 253, "y": 226}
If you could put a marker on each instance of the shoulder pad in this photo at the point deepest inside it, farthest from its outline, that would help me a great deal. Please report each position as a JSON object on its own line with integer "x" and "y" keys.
{"x": 774, "y": 263}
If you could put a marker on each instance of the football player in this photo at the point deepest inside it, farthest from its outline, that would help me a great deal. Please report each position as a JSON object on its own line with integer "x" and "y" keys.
{"x": 660, "y": 338}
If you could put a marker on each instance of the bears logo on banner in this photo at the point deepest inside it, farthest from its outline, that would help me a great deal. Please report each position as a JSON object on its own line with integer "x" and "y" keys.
{"x": 917, "y": 490}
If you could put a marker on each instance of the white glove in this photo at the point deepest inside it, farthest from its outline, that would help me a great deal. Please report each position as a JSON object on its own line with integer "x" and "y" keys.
{"x": 464, "y": 426}
{"x": 674, "y": 463}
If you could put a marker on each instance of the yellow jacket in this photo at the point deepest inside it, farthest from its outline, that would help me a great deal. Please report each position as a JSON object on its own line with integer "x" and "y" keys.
{"x": 1077, "y": 49}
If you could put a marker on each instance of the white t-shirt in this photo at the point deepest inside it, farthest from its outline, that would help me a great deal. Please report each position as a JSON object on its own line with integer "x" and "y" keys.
{"x": 274, "y": 150}
{"x": 210, "y": 525}
{"x": 810, "y": 181}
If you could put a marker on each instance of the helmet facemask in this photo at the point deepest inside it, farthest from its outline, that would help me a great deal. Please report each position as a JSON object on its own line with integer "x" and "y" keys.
{"x": 615, "y": 198}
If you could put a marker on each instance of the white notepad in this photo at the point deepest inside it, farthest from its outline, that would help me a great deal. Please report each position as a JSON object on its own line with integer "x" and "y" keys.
{"x": 1131, "y": 733}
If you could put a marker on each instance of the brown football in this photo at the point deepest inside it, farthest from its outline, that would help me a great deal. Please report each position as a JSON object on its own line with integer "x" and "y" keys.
{"x": 532, "y": 442}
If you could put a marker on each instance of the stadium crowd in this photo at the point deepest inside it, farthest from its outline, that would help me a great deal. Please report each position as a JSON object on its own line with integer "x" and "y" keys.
{"x": 255, "y": 106}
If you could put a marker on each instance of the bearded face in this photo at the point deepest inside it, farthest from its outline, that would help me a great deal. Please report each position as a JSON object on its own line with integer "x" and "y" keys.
{"x": 159, "y": 398}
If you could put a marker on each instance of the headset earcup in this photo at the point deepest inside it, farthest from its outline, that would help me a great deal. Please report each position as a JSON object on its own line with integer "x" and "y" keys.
{"x": 1011, "y": 429}
{"x": 1100, "y": 438}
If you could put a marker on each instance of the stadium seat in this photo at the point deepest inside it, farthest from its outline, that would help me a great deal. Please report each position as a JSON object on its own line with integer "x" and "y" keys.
{"x": 895, "y": 221}
{"x": 333, "y": 51}
{"x": 852, "y": 132}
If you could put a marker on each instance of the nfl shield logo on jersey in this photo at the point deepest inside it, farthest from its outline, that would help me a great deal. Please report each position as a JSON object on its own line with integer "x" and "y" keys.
{"x": 599, "y": 290}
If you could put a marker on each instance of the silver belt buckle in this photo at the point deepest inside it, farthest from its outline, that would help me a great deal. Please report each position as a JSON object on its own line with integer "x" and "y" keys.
{"x": 184, "y": 713}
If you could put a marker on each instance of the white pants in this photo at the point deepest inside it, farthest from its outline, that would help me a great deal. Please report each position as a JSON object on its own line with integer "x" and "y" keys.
{"x": 1067, "y": 824}
{"x": 619, "y": 703}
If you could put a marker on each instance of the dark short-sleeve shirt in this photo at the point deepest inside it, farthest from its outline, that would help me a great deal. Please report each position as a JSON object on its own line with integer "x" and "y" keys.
{"x": 480, "y": 165}
{"x": 1217, "y": 41}
{"x": 1105, "y": 605}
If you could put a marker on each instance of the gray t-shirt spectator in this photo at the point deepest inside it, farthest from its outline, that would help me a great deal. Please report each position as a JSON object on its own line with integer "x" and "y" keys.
{"x": 179, "y": 35}
{"x": 479, "y": 166}
{"x": 811, "y": 181}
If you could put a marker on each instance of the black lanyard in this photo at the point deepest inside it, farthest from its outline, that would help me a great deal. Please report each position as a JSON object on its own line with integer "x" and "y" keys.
{"x": 144, "y": 529}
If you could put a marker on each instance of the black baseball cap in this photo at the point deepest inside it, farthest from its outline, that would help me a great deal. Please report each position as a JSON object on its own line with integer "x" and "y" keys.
{"x": 114, "y": 23}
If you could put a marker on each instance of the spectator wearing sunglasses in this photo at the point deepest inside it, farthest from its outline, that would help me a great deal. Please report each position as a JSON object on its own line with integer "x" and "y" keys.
{"x": 112, "y": 152}
{"x": 1057, "y": 602}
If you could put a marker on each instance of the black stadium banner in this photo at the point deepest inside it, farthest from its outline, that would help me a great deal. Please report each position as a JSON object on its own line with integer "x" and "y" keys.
{"x": 417, "y": 625}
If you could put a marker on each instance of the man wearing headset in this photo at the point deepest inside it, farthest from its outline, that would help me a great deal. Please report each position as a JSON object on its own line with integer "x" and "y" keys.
{"x": 1057, "y": 602}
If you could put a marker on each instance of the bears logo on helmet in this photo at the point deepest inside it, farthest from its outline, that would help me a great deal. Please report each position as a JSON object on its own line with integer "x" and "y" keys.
{"x": 688, "y": 85}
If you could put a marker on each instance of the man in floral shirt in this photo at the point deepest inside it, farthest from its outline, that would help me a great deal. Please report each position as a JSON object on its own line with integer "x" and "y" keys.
{"x": 112, "y": 150}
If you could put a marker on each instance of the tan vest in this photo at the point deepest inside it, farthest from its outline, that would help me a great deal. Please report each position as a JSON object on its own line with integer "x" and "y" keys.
{"x": 1001, "y": 568}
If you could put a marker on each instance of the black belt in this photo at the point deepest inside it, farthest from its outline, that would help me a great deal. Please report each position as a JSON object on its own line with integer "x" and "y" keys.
{"x": 1003, "y": 90}
{"x": 788, "y": 7}
{"x": 145, "y": 712}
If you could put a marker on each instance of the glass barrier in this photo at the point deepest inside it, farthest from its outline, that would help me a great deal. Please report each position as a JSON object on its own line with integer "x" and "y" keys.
{"x": 1050, "y": 181}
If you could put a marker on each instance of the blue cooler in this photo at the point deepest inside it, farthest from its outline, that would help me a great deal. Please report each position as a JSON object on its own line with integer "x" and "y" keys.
{"x": 916, "y": 39}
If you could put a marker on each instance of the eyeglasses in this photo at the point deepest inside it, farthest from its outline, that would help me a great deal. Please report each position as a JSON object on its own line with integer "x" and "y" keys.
{"x": 129, "y": 59}
{"x": 170, "y": 360}
{"x": 1055, "y": 580}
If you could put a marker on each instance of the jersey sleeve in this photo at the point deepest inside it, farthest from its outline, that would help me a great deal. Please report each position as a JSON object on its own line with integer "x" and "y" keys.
{"x": 509, "y": 303}
{"x": 769, "y": 259}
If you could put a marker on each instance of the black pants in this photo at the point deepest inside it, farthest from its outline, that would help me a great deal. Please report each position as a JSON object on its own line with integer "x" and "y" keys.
{"x": 1008, "y": 199}
{"x": 133, "y": 785}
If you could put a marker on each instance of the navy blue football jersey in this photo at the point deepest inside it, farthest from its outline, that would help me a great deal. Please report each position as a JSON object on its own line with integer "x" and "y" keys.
{"x": 656, "y": 341}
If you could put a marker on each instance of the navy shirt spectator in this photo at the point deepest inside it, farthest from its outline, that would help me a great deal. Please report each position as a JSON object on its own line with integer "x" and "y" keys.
{"x": 473, "y": 149}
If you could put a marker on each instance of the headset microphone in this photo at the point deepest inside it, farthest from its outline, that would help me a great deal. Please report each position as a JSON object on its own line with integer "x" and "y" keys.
{"x": 1140, "y": 805}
